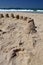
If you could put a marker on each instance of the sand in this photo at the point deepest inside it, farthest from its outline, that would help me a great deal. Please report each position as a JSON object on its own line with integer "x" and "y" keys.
{"x": 21, "y": 38}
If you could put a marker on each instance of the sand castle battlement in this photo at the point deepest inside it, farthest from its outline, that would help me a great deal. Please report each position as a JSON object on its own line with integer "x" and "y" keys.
{"x": 30, "y": 22}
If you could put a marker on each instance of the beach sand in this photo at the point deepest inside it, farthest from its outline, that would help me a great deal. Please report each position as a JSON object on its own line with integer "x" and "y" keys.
{"x": 21, "y": 38}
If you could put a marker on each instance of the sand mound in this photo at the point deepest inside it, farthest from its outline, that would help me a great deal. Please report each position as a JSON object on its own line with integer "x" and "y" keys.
{"x": 7, "y": 15}
{"x": 1, "y": 16}
{"x": 17, "y": 16}
{"x": 16, "y": 42}
{"x": 25, "y": 18}
{"x": 12, "y": 15}
{"x": 21, "y": 17}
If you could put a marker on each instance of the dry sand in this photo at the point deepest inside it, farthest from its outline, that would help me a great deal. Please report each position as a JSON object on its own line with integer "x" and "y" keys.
{"x": 21, "y": 38}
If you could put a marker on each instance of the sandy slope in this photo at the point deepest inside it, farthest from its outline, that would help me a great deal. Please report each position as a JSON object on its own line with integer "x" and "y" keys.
{"x": 18, "y": 45}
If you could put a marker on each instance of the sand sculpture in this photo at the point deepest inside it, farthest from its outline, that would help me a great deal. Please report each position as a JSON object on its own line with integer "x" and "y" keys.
{"x": 16, "y": 42}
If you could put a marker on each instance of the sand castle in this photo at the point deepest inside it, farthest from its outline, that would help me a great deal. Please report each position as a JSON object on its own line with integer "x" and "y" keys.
{"x": 15, "y": 38}
{"x": 31, "y": 25}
